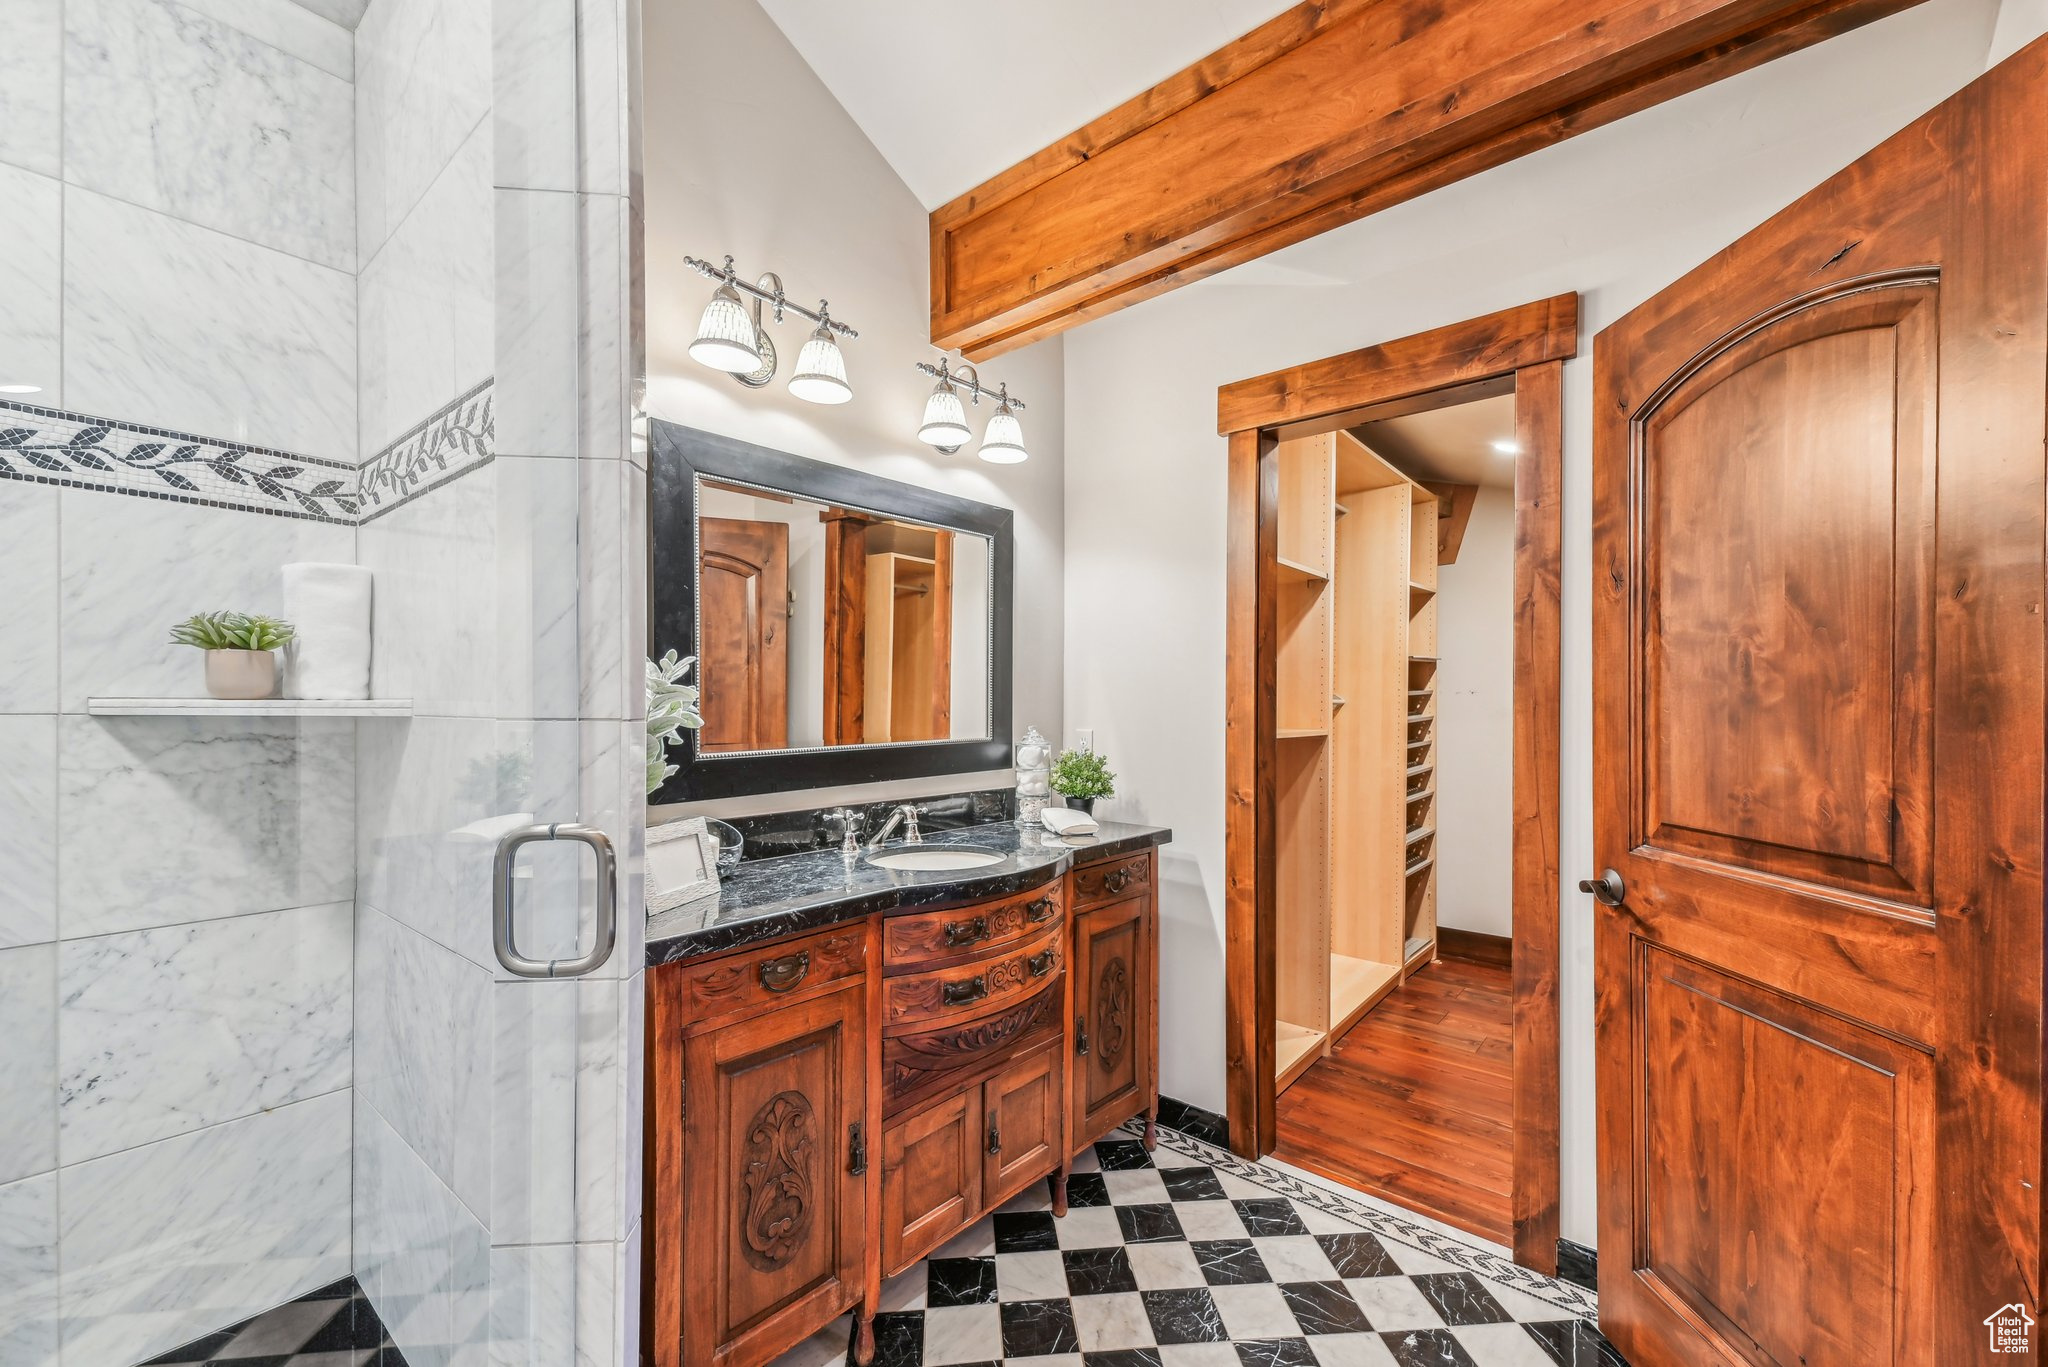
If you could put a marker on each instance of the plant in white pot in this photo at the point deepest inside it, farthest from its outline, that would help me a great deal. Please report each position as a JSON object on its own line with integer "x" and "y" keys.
{"x": 241, "y": 659}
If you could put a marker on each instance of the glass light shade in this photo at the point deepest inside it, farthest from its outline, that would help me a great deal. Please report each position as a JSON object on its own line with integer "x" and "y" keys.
{"x": 821, "y": 371}
{"x": 945, "y": 420}
{"x": 1003, "y": 443}
{"x": 725, "y": 335}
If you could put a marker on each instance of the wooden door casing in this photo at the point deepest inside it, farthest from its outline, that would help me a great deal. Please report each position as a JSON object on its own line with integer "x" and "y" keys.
{"x": 1112, "y": 1016}
{"x": 743, "y": 646}
{"x": 775, "y": 1236}
{"x": 1819, "y": 729}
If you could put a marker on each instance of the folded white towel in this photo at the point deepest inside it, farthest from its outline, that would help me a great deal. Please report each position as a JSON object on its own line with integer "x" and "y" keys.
{"x": 1067, "y": 821}
{"x": 329, "y": 605}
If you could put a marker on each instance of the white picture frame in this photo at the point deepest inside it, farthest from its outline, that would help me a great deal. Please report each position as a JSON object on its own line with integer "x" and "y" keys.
{"x": 682, "y": 864}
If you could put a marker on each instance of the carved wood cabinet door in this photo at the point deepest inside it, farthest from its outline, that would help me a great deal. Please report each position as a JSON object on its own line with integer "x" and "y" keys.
{"x": 1112, "y": 1025}
{"x": 1818, "y": 749}
{"x": 775, "y": 1193}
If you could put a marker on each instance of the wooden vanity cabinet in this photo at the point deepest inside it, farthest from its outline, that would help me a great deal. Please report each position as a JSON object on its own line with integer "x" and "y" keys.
{"x": 759, "y": 1126}
{"x": 1116, "y": 997}
{"x": 825, "y": 1110}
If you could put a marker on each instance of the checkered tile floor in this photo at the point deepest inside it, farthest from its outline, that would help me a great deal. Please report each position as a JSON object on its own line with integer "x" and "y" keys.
{"x": 331, "y": 1327}
{"x": 1191, "y": 1257}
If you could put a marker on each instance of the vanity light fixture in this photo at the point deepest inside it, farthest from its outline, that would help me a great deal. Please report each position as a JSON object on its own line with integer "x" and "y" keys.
{"x": 729, "y": 340}
{"x": 20, "y": 389}
{"x": 945, "y": 418}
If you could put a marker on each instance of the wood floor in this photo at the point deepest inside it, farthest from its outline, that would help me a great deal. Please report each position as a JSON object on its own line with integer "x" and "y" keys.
{"x": 1414, "y": 1105}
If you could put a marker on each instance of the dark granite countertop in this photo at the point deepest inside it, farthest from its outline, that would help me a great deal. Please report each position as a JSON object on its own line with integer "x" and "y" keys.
{"x": 766, "y": 899}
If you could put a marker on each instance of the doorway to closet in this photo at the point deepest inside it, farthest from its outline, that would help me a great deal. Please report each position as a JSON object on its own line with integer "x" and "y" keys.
{"x": 1392, "y": 770}
{"x": 1393, "y": 1028}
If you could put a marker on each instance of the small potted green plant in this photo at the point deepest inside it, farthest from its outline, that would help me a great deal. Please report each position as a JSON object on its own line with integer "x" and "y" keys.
{"x": 241, "y": 659}
{"x": 1081, "y": 776}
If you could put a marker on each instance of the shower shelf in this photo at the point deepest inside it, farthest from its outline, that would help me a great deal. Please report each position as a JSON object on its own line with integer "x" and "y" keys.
{"x": 253, "y": 707}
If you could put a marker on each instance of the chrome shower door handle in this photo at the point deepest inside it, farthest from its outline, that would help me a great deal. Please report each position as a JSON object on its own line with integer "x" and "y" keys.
{"x": 502, "y": 902}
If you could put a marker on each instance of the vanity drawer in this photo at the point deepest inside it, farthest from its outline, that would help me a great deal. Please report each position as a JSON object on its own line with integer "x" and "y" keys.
{"x": 920, "y": 1063}
{"x": 767, "y": 974}
{"x": 925, "y": 938}
{"x": 1111, "y": 879}
{"x": 958, "y": 990}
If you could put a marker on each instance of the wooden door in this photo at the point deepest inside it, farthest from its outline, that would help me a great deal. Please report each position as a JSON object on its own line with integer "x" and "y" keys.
{"x": 773, "y": 1213}
{"x": 1112, "y": 1025}
{"x": 1818, "y": 646}
{"x": 931, "y": 1178}
{"x": 743, "y": 630}
{"x": 1022, "y": 1117}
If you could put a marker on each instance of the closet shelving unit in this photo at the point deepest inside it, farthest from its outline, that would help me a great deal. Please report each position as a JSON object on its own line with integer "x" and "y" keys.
{"x": 1356, "y": 717}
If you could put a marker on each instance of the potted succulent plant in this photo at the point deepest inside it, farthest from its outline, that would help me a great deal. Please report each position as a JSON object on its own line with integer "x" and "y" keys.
{"x": 1081, "y": 776}
{"x": 241, "y": 659}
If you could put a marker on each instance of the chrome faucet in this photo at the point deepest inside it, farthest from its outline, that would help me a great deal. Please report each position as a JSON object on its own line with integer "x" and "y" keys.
{"x": 849, "y": 830}
{"x": 904, "y": 816}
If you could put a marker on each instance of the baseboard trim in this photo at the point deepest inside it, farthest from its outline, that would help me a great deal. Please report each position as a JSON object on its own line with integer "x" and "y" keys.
{"x": 1496, "y": 950}
{"x": 1207, "y": 1126}
{"x": 1577, "y": 1264}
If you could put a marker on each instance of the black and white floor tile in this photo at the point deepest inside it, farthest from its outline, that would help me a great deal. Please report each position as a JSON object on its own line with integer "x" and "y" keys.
{"x": 331, "y": 1327}
{"x": 1191, "y": 1257}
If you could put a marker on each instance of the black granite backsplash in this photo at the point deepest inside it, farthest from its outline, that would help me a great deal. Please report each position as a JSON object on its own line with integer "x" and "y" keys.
{"x": 812, "y": 828}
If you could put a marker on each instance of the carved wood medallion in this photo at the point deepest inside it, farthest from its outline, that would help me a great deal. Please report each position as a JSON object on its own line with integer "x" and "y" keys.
{"x": 777, "y": 1180}
{"x": 1112, "y": 1013}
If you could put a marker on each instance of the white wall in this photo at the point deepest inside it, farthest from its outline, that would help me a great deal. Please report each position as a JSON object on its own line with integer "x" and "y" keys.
{"x": 1475, "y": 625}
{"x": 1614, "y": 214}
{"x": 748, "y": 154}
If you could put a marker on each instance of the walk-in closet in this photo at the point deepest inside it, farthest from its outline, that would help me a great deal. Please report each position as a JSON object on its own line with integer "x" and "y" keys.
{"x": 1356, "y": 718}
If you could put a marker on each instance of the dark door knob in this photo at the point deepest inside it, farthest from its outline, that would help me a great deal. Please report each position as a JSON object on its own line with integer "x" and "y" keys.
{"x": 1607, "y": 889}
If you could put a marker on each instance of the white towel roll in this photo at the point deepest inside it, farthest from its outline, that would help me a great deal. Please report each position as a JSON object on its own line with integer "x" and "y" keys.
{"x": 329, "y": 605}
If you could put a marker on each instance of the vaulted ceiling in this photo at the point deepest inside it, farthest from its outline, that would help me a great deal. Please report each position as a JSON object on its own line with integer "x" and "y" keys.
{"x": 951, "y": 94}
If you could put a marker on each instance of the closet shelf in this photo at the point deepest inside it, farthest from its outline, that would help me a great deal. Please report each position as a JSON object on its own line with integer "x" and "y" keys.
{"x": 1419, "y": 794}
{"x": 1342, "y": 511}
{"x": 249, "y": 707}
{"x": 1336, "y": 700}
{"x": 1418, "y": 594}
{"x": 1417, "y": 947}
{"x": 1302, "y": 732}
{"x": 1295, "y": 1047}
{"x": 1416, "y": 837}
{"x": 1420, "y": 692}
{"x": 1355, "y": 986}
{"x": 1416, "y": 770}
{"x": 1294, "y": 569}
{"x": 1418, "y": 866}
{"x": 1422, "y": 744}
{"x": 1422, "y": 659}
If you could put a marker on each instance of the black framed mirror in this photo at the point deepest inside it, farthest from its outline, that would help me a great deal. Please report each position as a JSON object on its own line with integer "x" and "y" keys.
{"x": 847, "y": 628}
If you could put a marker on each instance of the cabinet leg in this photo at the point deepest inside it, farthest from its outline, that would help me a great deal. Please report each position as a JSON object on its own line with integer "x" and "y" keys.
{"x": 1152, "y": 1128}
{"x": 863, "y": 1349}
{"x": 1059, "y": 1192}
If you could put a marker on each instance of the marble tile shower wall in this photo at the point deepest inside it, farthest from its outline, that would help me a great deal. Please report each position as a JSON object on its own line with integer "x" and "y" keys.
{"x": 496, "y": 1125}
{"x": 176, "y": 909}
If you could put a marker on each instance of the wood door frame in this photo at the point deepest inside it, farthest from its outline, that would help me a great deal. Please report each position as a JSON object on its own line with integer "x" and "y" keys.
{"x": 1519, "y": 351}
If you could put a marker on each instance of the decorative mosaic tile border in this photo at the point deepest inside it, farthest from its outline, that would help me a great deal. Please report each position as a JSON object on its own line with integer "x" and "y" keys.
{"x": 78, "y": 451}
{"x": 1471, "y": 1257}
{"x": 454, "y": 441}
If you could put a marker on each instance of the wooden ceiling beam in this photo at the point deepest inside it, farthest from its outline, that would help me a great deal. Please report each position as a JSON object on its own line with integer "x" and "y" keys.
{"x": 1330, "y": 112}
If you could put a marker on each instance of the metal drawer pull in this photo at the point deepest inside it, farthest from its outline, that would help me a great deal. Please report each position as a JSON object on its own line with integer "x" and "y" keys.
{"x": 856, "y": 1149}
{"x": 967, "y": 932}
{"x": 1041, "y": 963}
{"x": 1116, "y": 880}
{"x": 783, "y": 974}
{"x": 502, "y": 899}
{"x": 1081, "y": 1035}
{"x": 959, "y": 994}
{"x": 995, "y": 1132}
{"x": 1041, "y": 911}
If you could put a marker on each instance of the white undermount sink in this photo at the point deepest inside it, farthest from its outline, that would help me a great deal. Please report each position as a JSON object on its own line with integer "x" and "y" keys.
{"x": 936, "y": 861}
